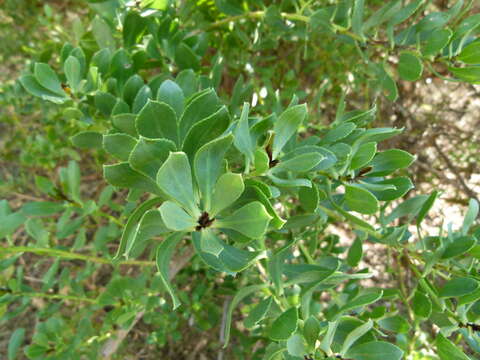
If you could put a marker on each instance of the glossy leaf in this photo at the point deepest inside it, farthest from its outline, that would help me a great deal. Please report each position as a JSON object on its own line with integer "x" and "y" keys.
{"x": 170, "y": 93}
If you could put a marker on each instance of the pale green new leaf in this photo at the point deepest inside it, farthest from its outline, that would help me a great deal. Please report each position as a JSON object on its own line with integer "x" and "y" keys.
{"x": 227, "y": 190}
{"x": 210, "y": 243}
{"x": 243, "y": 140}
{"x": 175, "y": 218}
{"x": 251, "y": 220}
{"x": 175, "y": 179}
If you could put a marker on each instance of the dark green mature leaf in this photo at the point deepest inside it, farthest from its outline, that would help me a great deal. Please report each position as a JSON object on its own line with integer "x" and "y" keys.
{"x": 208, "y": 166}
{"x": 33, "y": 87}
{"x": 458, "y": 287}
{"x": 133, "y": 27}
{"x": 171, "y": 94}
{"x": 363, "y": 155}
{"x": 186, "y": 58}
{"x": 286, "y": 125}
{"x": 470, "y": 74}
{"x": 250, "y": 220}
{"x": 47, "y": 78}
{"x": 427, "y": 205}
{"x": 122, "y": 175}
{"x": 157, "y": 120}
{"x": 119, "y": 145}
{"x": 300, "y": 163}
{"x": 296, "y": 345}
{"x": 402, "y": 185}
{"x": 447, "y": 350}
{"x": 360, "y": 200}
{"x": 355, "y": 253}
{"x": 210, "y": 243}
{"x": 396, "y": 323}
{"x": 410, "y": 67}
{"x": 375, "y": 350}
{"x": 386, "y": 162}
{"x": 202, "y": 106}
{"x": 16, "y": 340}
{"x": 434, "y": 43}
{"x": 41, "y": 208}
{"x": 206, "y": 130}
{"x": 284, "y": 326}
{"x": 164, "y": 254}
{"x": 131, "y": 88}
{"x": 148, "y": 155}
{"x": 309, "y": 197}
{"x": 141, "y": 99}
{"x": 421, "y": 305}
{"x": 470, "y": 53}
{"x": 175, "y": 179}
{"x": 258, "y": 312}
{"x": 239, "y": 296}
{"x": 362, "y": 300}
{"x": 125, "y": 123}
{"x": 459, "y": 246}
{"x": 311, "y": 330}
{"x": 87, "y": 140}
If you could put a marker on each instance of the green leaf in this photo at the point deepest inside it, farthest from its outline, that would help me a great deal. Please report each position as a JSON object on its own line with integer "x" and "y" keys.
{"x": 360, "y": 200}
{"x": 148, "y": 155}
{"x": 141, "y": 99}
{"x": 427, "y": 205}
{"x": 73, "y": 73}
{"x": 175, "y": 179}
{"x": 300, "y": 163}
{"x": 87, "y": 140}
{"x": 355, "y": 253}
{"x": 361, "y": 301}
{"x": 131, "y": 227}
{"x": 175, "y": 218}
{"x": 357, "y": 17}
{"x": 131, "y": 88}
{"x": 258, "y": 312}
{"x": 133, "y": 27}
{"x": 309, "y": 198}
{"x": 446, "y": 350}
{"x": 402, "y": 186}
{"x": 239, "y": 296}
{"x": 164, "y": 254}
{"x": 250, "y": 220}
{"x": 459, "y": 246}
{"x": 261, "y": 161}
{"x": 227, "y": 190}
{"x": 41, "y": 208}
{"x": 105, "y": 102}
{"x": 338, "y": 132}
{"x": 286, "y": 125}
{"x": 458, "y": 287}
{"x": 296, "y": 345}
{"x": 422, "y": 306}
{"x": 122, "y": 175}
{"x": 409, "y": 207}
{"x": 354, "y": 335}
{"x": 186, "y": 58}
{"x": 470, "y": 216}
{"x": 171, "y": 94}
{"x": 201, "y": 107}
{"x": 396, "y": 324}
{"x": 375, "y": 350}
{"x": 157, "y": 120}
{"x": 386, "y": 162}
{"x": 210, "y": 243}
{"x": 155, "y": 4}
{"x": 435, "y": 43}
{"x": 47, "y": 78}
{"x": 363, "y": 155}
{"x": 125, "y": 123}
{"x": 119, "y": 145}
{"x": 243, "y": 140}
{"x": 16, "y": 340}
{"x": 206, "y": 130}
{"x": 151, "y": 224}
{"x": 470, "y": 53}
{"x": 470, "y": 74}
{"x": 284, "y": 326}
{"x": 410, "y": 67}
{"x": 33, "y": 87}
{"x": 311, "y": 330}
